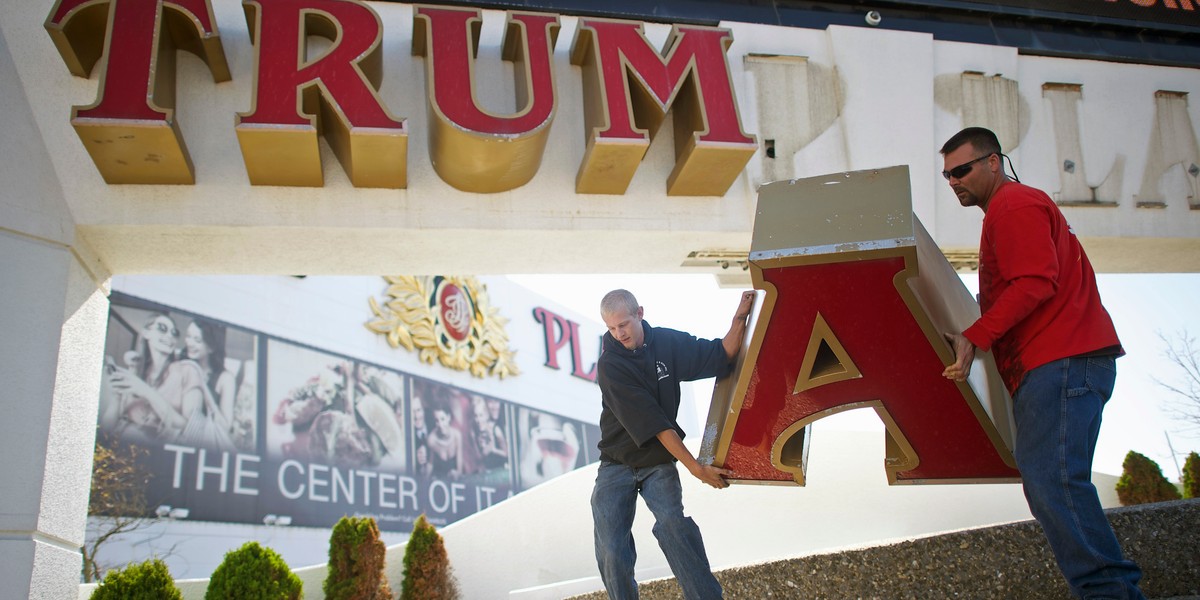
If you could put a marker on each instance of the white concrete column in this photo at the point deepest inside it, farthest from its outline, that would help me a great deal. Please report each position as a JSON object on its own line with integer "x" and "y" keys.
{"x": 53, "y": 315}
{"x": 53, "y": 318}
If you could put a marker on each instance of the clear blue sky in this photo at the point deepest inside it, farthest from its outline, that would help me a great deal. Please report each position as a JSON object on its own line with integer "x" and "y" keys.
{"x": 1141, "y": 305}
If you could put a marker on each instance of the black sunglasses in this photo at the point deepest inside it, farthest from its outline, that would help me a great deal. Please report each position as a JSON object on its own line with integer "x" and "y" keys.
{"x": 961, "y": 170}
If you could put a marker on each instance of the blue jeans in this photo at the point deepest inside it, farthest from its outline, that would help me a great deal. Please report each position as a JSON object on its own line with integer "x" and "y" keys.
{"x": 614, "y": 500}
{"x": 1057, "y": 410}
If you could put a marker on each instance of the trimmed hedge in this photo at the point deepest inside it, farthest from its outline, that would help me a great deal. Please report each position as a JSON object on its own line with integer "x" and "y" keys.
{"x": 427, "y": 571}
{"x": 356, "y": 562}
{"x": 150, "y": 580}
{"x": 1142, "y": 482}
{"x": 1191, "y": 476}
{"x": 253, "y": 572}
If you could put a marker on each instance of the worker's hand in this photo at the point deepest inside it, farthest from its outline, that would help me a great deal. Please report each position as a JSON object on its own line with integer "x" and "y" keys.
{"x": 964, "y": 355}
{"x": 714, "y": 476}
{"x": 745, "y": 306}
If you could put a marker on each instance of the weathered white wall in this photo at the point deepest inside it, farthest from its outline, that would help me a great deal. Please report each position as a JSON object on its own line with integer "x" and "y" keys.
{"x": 895, "y": 97}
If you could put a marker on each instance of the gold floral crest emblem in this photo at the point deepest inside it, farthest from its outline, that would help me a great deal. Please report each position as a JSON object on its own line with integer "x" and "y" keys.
{"x": 447, "y": 319}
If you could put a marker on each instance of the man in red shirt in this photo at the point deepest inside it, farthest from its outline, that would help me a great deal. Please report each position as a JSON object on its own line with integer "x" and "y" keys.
{"x": 1055, "y": 347}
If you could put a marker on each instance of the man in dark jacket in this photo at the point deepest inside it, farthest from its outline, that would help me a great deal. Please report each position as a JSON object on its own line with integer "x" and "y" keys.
{"x": 639, "y": 373}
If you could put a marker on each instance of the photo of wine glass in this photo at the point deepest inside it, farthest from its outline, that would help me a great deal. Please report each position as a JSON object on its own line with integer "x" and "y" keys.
{"x": 550, "y": 446}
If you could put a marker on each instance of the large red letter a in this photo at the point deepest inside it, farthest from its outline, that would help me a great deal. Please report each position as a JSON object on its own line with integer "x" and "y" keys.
{"x": 858, "y": 298}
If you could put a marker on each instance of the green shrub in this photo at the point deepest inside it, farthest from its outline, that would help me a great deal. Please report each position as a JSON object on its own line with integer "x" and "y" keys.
{"x": 253, "y": 572}
{"x": 356, "y": 562}
{"x": 427, "y": 572}
{"x": 141, "y": 581}
{"x": 1142, "y": 482}
{"x": 1191, "y": 476}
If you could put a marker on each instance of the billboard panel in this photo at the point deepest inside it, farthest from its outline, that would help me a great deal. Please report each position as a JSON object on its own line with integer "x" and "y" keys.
{"x": 282, "y": 429}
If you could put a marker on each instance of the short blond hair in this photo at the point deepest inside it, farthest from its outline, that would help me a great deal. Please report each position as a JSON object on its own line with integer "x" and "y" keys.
{"x": 617, "y": 301}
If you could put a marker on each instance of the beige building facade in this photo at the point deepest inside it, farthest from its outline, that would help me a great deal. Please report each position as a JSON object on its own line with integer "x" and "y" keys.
{"x": 1115, "y": 142}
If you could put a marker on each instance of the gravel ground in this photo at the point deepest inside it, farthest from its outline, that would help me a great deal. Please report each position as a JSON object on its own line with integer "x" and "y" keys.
{"x": 1005, "y": 562}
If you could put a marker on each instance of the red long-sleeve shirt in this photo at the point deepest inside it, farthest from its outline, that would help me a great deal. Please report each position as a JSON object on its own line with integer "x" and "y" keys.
{"x": 1037, "y": 288}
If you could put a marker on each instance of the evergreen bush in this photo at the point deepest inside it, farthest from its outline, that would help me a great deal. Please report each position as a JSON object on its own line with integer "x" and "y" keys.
{"x": 427, "y": 571}
{"x": 1191, "y": 476}
{"x": 253, "y": 572}
{"x": 150, "y": 580}
{"x": 1142, "y": 482}
{"x": 356, "y": 562}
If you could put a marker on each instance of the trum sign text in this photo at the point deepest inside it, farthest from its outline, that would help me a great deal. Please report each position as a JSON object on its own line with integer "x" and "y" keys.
{"x": 132, "y": 134}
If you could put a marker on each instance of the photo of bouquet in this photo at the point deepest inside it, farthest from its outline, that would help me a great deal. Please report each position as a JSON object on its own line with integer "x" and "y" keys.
{"x": 344, "y": 413}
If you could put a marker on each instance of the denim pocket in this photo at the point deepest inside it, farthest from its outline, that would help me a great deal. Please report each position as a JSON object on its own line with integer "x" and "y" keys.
{"x": 1102, "y": 374}
{"x": 1099, "y": 377}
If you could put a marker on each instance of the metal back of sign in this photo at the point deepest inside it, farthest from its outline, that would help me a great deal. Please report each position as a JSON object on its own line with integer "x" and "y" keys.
{"x": 854, "y": 302}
